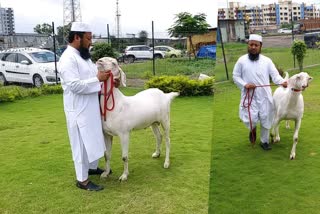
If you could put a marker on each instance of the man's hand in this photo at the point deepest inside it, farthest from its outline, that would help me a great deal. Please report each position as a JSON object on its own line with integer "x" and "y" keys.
{"x": 103, "y": 75}
{"x": 285, "y": 84}
{"x": 250, "y": 85}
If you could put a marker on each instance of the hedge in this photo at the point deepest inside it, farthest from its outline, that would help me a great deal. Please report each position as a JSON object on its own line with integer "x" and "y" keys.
{"x": 182, "y": 84}
{"x": 12, "y": 93}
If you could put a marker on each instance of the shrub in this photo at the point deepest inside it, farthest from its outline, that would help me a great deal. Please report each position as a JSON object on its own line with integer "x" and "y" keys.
{"x": 102, "y": 49}
{"x": 12, "y": 93}
{"x": 299, "y": 50}
{"x": 182, "y": 84}
{"x": 51, "y": 89}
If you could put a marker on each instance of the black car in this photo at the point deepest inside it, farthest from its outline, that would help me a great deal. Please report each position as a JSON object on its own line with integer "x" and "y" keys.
{"x": 311, "y": 38}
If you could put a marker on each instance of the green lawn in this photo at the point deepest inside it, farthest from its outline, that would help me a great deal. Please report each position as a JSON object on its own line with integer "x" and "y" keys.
{"x": 175, "y": 66}
{"x": 250, "y": 180}
{"x": 37, "y": 174}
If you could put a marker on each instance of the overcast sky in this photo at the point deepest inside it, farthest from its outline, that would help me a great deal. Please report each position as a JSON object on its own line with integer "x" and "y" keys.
{"x": 223, "y": 3}
{"x": 136, "y": 15}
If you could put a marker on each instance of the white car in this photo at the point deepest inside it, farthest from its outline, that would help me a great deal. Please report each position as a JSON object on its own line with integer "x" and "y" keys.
{"x": 284, "y": 30}
{"x": 169, "y": 52}
{"x": 28, "y": 65}
{"x": 135, "y": 52}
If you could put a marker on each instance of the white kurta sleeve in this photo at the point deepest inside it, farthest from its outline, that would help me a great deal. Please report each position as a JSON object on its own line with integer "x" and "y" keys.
{"x": 237, "y": 75}
{"x": 69, "y": 70}
{"x": 274, "y": 74}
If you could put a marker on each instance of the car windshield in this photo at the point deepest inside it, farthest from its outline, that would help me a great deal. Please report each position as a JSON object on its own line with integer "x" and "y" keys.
{"x": 43, "y": 57}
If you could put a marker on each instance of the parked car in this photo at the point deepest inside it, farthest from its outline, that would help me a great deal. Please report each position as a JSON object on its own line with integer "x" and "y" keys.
{"x": 169, "y": 52}
{"x": 311, "y": 39}
{"x": 28, "y": 65}
{"x": 137, "y": 52}
{"x": 264, "y": 32}
{"x": 284, "y": 30}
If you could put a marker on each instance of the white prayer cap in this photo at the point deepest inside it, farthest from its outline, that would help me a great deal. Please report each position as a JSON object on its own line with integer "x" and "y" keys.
{"x": 255, "y": 37}
{"x": 80, "y": 27}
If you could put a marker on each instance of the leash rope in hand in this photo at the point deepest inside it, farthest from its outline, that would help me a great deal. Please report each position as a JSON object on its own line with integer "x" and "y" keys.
{"x": 107, "y": 96}
{"x": 249, "y": 101}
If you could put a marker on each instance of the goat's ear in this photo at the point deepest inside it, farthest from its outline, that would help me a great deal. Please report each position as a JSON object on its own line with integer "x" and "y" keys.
{"x": 123, "y": 77}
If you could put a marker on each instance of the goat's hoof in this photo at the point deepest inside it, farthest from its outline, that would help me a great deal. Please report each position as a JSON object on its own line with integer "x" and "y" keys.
{"x": 104, "y": 175}
{"x": 292, "y": 156}
{"x": 276, "y": 140}
{"x": 156, "y": 155}
{"x": 123, "y": 178}
{"x": 166, "y": 165}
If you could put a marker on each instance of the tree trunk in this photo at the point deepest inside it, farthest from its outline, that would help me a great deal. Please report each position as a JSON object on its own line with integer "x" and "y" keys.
{"x": 300, "y": 63}
{"x": 192, "y": 48}
{"x": 300, "y": 66}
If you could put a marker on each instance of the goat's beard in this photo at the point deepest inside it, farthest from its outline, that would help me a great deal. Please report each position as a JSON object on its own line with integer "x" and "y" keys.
{"x": 84, "y": 52}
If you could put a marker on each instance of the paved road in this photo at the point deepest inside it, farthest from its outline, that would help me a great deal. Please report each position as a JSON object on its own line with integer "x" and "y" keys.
{"x": 280, "y": 41}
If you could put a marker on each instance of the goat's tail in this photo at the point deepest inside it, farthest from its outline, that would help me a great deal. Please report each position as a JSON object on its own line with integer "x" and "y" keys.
{"x": 173, "y": 95}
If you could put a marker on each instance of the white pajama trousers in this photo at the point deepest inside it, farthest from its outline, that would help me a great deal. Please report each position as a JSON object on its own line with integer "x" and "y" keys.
{"x": 83, "y": 167}
{"x": 264, "y": 133}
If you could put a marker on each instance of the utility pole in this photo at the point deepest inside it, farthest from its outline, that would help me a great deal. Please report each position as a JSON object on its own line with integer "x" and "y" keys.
{"x": 118, "y": 24}
{"x": 71, "y": 13}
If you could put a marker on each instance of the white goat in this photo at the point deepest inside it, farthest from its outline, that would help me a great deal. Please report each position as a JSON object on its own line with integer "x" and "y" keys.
{"x": 289, "y": 105}
{"x": 150, "y": 107}
{"x": 203, "y": 77}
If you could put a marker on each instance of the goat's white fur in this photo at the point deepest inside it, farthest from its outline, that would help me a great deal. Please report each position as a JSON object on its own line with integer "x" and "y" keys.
{"x": 150, "y": 107}
{"x": 289, "y": 105}
{"x": 203, "y": 77}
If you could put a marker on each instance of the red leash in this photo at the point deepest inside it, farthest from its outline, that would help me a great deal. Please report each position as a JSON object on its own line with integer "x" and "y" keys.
{"x": 107, "y": 96}
{"x": 249, "y": 98}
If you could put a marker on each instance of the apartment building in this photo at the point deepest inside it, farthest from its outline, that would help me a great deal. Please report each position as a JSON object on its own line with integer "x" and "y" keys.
{"x": 269, "y": 14}
{"x": 7, "y": 26}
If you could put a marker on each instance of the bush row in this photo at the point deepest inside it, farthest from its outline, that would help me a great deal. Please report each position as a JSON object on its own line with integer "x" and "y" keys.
{"x": 11, "y": 93}
{"x": 182, "y": 84}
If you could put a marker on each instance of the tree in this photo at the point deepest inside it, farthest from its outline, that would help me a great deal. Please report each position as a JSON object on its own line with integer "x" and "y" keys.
{"x": 44, "y": 28}
{"x": 62, "y": 33}
{"x": 299, "y": 50}
{"x": 187, "y": 25}
{"x": 103, "y": 49}
{"x": 143, "y": 36}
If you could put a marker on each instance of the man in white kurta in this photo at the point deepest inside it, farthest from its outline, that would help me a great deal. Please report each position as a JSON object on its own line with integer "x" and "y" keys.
{"x": 250, "y": 71}
{"x": 80, "y": 81}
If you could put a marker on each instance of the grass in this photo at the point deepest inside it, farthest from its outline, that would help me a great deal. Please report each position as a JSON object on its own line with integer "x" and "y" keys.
{"x": 249, "y": 180}
{"x": 37, "y": 174}
{"x": 281, "y": 57}
{"x": 175, "y": 66}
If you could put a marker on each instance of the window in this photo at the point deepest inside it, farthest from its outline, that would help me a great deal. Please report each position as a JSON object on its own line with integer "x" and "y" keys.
{"x": 145, "y": 48}
{"x": 23, "y": 58}
{"x": 43, "y": 57}
{"x": 10, "y": 57}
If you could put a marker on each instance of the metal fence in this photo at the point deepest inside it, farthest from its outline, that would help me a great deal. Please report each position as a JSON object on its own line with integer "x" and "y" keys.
{"x": 276, "y": 47}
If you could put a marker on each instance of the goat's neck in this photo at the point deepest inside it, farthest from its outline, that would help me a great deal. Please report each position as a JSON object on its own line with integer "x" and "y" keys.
{"x": 117, "y": 96}
{"x": 293, "y": 95}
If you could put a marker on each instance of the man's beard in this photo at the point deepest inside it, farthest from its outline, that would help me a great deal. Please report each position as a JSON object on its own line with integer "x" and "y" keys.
{"x": 84, "y": 52}
{"x": 253, "y": 57}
